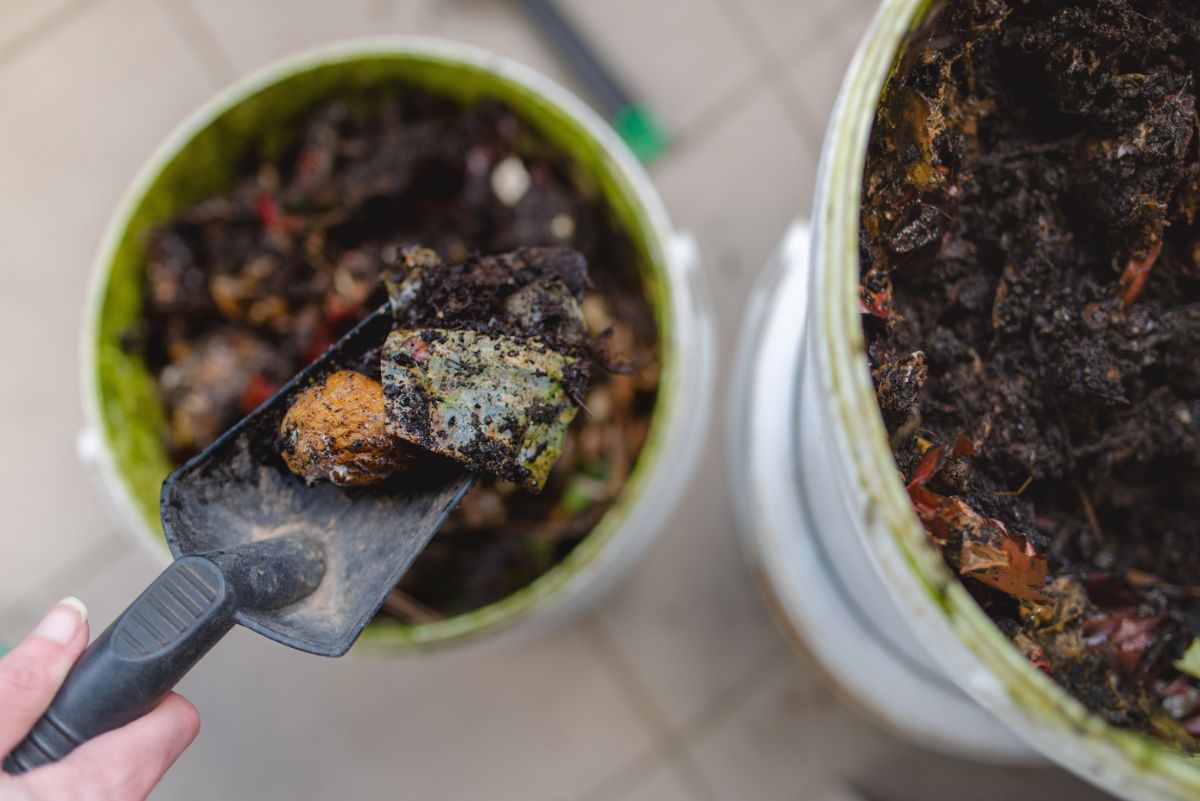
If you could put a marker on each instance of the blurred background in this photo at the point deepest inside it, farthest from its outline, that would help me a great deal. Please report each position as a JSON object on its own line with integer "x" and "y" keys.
{"x": 676, "y": 687}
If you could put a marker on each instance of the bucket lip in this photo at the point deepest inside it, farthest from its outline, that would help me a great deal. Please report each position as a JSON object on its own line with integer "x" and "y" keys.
{"x": 976, "y": 655}
{"x": 787, "y": 548}
{"x": 686, "y": 324}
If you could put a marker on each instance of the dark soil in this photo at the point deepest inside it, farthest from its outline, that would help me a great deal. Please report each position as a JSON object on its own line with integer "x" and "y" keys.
{"x": 532, "y": 293}
{"x": 245, "y": 288}
{"x": 1031, "y": 299}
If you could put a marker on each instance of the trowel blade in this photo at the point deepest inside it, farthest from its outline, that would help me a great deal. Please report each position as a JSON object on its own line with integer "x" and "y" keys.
{"x": 239, "y": 490}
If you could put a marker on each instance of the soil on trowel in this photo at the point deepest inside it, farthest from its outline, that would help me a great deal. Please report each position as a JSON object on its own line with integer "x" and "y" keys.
{"x": 245, "y": 288}
{"x": 1031, "y": 301}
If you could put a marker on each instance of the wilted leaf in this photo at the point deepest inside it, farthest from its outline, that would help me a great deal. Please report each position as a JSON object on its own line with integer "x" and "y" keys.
{"x": 993, "y": 556}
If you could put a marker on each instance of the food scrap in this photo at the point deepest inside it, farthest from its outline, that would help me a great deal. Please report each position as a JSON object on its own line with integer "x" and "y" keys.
{"x": 336, "y": 431}
{"x": 486, "y": 370}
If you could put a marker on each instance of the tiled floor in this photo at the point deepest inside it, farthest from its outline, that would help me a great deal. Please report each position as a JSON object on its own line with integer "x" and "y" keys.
{"x": 677, "y": 687}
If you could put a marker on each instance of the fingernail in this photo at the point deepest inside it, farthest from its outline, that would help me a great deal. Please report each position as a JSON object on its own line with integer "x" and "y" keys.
{"x": 63, "y": 621}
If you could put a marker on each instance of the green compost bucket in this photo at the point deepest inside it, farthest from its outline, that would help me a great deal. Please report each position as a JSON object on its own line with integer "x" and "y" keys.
{"x": 124, "y": 415}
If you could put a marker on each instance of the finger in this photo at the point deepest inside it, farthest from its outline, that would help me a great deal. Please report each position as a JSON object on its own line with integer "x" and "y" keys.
{"x": 126, "y": 763}
{"x": 32, "y": 672}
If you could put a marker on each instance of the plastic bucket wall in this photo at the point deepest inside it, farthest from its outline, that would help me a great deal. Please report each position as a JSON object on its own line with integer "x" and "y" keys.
{"x": 201, "y": 157}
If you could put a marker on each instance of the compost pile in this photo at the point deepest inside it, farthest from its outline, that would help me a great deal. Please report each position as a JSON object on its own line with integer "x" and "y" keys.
{"x": 245, "y": 288}
{"x": 1031, "y": 300}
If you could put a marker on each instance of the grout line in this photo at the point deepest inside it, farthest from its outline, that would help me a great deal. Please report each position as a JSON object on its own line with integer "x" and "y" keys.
{"x": 687, "y": 770}
{"x": 201, "y": 41}
{"x": 635, "y": 691}
{"x": 805, "y": 122}
{"x": 626, "y": 777}
{"x": 40, "y": 29}
{"x": 810, "y": 33}
{"x": 687, "y": 136}
{"x": 809, "y": 124}
{"x": 670, "y": 748}
{"x": 769, "y": 75}
{"x": 751, "y": 38}
{"x": 714, "y": 113}
{"x": 774, "y": 66}
{"x": 726, "y": 702}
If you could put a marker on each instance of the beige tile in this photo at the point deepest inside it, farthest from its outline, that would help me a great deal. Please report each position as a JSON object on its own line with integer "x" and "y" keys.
{"x": 16, "y": 620}
{"x": 540, "y": 722}
{"x": 501, "y": 27}
{"x": 788, "y": 27}
{"x": 662, "y": 784}
{"x": 678, "y": 56}
{"x": 689, "y": 622}
{"x": 789, "y": 739}
{"x": 908, "y": 773}
{"x": 787, "y": 736}
{"x": 812, "y": 76}
{"x": 24, "y": 20}
{"x": 740, "y": 183}
{"x": 704, "y": 62}
{"x": 250, "y": 34}
{"x": 20, "y": 614}
{"x": 82, "y": 108}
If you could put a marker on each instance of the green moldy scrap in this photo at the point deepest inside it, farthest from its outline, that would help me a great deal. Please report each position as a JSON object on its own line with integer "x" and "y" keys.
{"x": 497, "y": 403}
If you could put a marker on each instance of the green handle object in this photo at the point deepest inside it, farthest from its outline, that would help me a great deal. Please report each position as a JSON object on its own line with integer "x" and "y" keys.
{"x": 636, "y": 124}
{"x": 642, "y": 131}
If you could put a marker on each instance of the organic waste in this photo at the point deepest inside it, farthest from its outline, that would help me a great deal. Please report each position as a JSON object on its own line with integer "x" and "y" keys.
{"x": 486, "y": 367}
{"x": 1030, "y": 294}
{"x": 245, "y": 288}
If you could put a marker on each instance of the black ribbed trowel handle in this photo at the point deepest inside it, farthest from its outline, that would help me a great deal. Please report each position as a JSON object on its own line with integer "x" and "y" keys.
{"x": 132, "y": 666}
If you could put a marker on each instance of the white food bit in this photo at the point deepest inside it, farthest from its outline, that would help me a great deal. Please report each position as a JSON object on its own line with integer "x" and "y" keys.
{"x": 562, "y": 226}
{"x": 510, "y": 180}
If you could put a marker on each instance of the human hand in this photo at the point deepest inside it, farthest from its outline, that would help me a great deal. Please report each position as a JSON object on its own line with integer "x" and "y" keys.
{"x": 122, "y": 765}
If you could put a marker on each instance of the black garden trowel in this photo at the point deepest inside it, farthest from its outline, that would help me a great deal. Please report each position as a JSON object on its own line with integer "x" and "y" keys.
{"x": 253, "y": 545}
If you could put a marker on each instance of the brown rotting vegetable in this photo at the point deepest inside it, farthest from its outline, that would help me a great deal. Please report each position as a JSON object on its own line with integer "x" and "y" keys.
{"x": 336, "y": 431}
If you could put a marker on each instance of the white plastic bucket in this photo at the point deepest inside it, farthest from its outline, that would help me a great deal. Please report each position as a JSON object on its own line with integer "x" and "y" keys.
{"x": 871, "y": 599}
{"x": 685, "y": 320}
